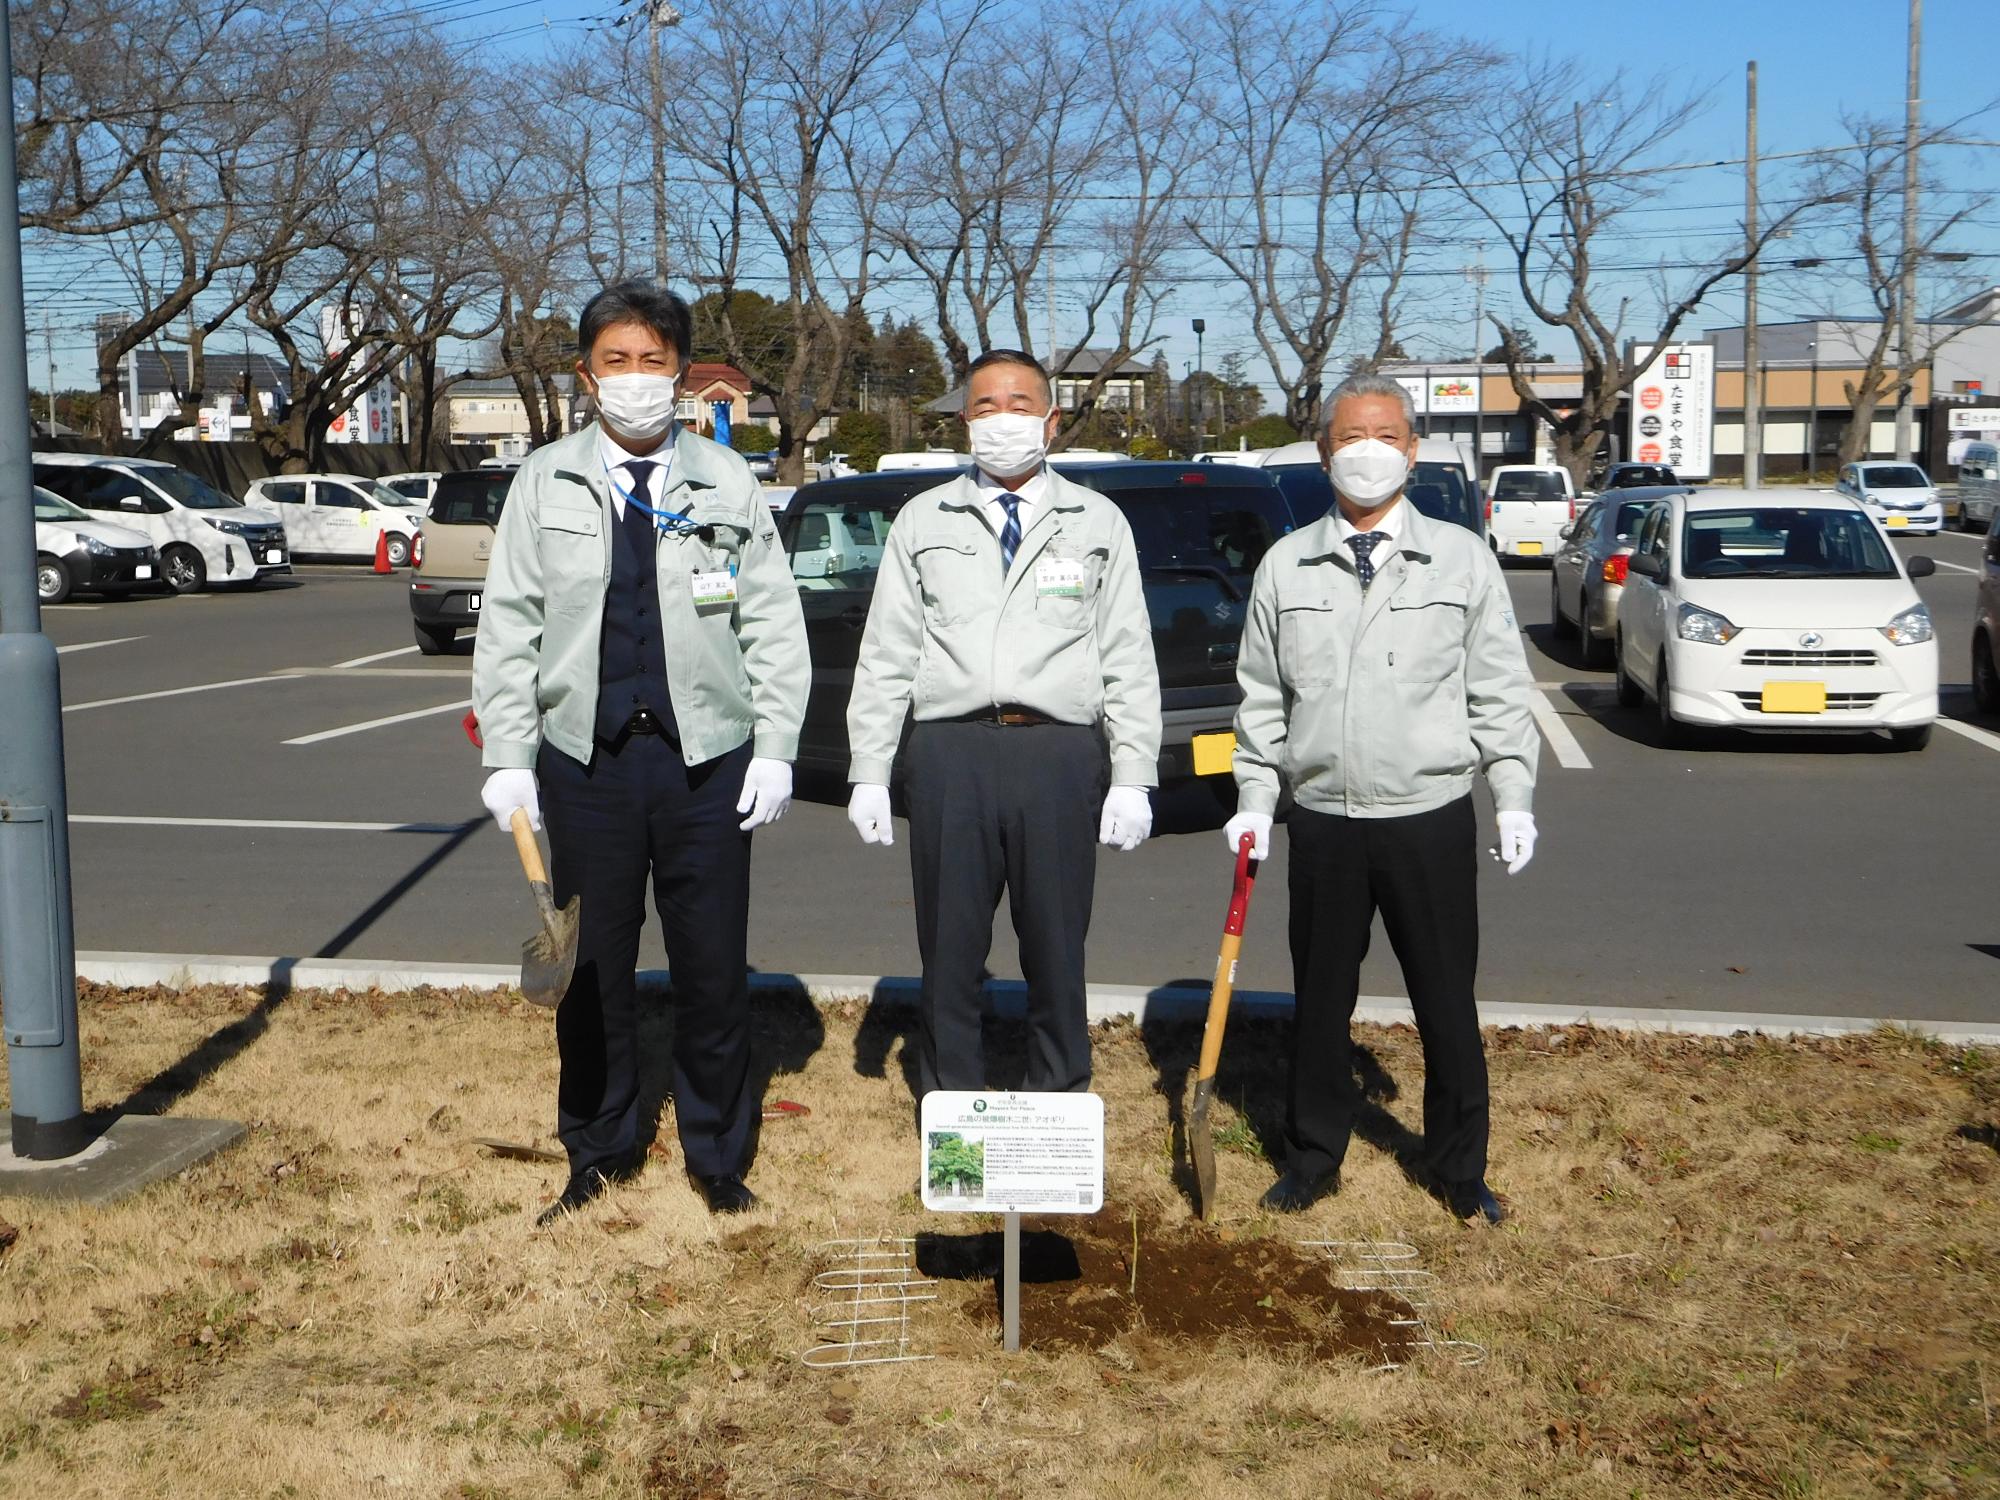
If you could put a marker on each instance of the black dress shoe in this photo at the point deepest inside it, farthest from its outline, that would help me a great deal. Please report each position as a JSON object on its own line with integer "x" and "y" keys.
{"x": 726, "y": 1193}
{"x": 1473, "y": 1200}
{"x": 1296, "y": 1192}
{"x": 582, "y": 1188}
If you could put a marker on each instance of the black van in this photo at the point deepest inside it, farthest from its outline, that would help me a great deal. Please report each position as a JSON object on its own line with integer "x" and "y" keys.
{"x": 1200, "y": 530}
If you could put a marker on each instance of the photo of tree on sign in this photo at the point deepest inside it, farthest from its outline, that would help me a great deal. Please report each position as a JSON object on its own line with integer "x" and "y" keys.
{"x": 958, "y": 1165}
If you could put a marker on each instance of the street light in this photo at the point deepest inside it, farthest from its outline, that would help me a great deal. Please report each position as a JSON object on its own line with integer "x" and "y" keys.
{"x": 1812, "y": 414}
{"x": 1200, "y": 327}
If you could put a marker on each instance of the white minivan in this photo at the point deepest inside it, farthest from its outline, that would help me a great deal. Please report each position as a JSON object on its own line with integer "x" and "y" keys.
{"x": 339, "y": 515}
{"x": 203, "y": 535}
{"x": 1978, "y": 486}
{"x": 1527, "y": 507}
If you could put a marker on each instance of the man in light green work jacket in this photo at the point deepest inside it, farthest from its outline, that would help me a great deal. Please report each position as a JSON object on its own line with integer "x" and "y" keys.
{"x": 1382, "y": 669}
{"x": 640, "y": 677}
{"x": 1009, "y": 622}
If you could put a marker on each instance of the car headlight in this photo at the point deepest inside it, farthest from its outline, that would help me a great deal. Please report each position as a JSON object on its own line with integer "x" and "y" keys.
{"x": 1912, "y": 627}
{"x": 234, "y": 528}
{"x": 101, "y": 549}
{"x": 1704, "y": 626}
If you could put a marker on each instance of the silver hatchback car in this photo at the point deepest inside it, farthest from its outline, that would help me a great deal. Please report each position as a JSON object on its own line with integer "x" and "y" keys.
{"x": 1588, "y": 573}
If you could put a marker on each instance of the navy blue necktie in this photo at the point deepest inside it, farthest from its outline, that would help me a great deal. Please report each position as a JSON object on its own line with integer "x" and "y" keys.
{"x": 641, "y": 470}
{"x": 1364, "y": 544}
{"x": 1010, "y": 534}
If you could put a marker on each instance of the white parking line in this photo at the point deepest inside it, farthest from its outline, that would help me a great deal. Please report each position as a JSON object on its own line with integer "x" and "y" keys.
{"x": 281, "y": 824}
{"x": 362, "y": 661}
{"x": 122, "y": 640}
{"x": 1956, "y": 567}
{"x": 1569, "y": 754}
{"x": 199, "y": 687}
{"x": 419, "y": 713}
{"x": 436, "y": 673}
{"x": 1977, "y": 736}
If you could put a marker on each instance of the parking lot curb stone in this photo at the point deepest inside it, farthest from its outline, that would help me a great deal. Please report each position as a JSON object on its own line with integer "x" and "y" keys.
{"x": 1107, "y": 1002}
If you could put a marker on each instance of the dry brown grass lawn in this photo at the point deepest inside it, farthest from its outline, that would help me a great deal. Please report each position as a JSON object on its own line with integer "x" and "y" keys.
{"x": 1747, "y": 1268}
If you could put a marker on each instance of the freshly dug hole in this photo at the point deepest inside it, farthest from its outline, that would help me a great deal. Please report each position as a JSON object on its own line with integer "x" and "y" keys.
{"x": 1077, "y": 1290}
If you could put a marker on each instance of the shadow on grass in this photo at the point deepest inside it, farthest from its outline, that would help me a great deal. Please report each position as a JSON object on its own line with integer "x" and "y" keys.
{"x": 173, "y": 1083}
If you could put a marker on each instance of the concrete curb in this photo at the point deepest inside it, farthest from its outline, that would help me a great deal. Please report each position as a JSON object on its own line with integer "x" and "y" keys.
{"x": 1106, "y": 1001}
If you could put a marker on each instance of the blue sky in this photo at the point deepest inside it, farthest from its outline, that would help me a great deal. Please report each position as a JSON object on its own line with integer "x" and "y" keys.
{"x": 1817, "y": 60}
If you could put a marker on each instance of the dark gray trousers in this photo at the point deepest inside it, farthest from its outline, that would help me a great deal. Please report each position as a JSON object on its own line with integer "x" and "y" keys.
{"x": 1016, "y": 807}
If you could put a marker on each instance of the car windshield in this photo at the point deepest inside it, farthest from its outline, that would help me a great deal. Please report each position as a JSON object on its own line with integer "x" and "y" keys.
{"x": 1199, "y": 528}
{"x": 410, "y": 490}
{"x": 195, "y": 494}
{"x": 1775, "y": 542}
{"x": 472, "y": 497}
{"x": 1440, "y": 490}
{"x": 1528, "y": 485}
{"x": 50, "y": 506}
{"x": 383, "y": 495}
{"x": 1897, "y": 477}
{"x": 1633, "y": 475}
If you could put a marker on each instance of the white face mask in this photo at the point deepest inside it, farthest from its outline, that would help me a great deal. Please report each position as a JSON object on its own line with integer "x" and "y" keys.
{"x": 1008, "y": 443}
{"x": 636, "y": 406}
{"x": 1368, "y": 471}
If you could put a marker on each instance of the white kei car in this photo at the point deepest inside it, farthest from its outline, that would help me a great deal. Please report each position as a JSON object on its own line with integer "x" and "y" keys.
{"x": 1899, "y": 495}
{"x": 340, "y": 515}
{"x": 1776, "y": 611}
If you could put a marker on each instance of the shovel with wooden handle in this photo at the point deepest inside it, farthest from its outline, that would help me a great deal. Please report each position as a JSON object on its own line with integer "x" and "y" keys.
{"x": 1200, "y": 1146}
{"x": 549, "y": 957}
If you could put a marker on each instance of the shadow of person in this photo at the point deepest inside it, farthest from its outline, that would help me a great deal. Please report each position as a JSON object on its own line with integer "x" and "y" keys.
{"x": 1046, "y": 1256}
{"x": 786, "y": 1032}
{"x": 891, "y": 1025}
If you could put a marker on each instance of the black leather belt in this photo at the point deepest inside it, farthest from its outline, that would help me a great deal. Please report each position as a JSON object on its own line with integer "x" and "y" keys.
{"x": 1010, "y": 714}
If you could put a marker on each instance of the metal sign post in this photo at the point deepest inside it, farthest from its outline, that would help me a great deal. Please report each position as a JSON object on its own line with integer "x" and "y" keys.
{"x": 1009, "y": 1153}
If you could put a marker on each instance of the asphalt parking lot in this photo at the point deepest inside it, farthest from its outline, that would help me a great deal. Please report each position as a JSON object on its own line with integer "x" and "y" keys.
{"x": 280, "y": 773}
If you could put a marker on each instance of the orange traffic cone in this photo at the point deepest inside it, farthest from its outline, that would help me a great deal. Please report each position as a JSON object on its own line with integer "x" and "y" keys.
{"x": 382, "y": 553}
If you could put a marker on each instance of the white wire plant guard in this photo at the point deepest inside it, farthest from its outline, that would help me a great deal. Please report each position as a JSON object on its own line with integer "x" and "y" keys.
{"x": 865, "y": 1292}
{"x": 1391, "y": 1266}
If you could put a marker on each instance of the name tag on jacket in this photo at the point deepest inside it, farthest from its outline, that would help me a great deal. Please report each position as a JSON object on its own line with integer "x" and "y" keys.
{"x": 1059, "y": 578}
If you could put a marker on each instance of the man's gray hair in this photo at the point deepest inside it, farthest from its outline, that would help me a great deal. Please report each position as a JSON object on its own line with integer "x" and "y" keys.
{"x": 1370, "y": 385}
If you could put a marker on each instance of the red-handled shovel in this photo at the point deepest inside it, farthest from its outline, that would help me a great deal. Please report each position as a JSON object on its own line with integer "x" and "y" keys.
{"x": 1200, "y": 1147}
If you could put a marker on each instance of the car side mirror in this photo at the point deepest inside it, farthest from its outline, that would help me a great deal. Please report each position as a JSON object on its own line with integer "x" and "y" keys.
{"x": 130, "y": 502}
{"x": 1568, "y": 531}
{"x": 1647, "y": 566}
{"x": 1921, "y": 567}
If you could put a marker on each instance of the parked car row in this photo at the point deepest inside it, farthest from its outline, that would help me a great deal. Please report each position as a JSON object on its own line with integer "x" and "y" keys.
{"x": 203, "y": 536}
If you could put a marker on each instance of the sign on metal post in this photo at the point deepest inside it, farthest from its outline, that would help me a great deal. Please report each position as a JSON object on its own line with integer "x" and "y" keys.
{"x": 1673, "y": 409}
{"x": 1009, "y": 1153}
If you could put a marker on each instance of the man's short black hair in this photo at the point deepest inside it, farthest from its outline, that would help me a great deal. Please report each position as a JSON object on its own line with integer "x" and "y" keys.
{"x": 639, "y": 302}
{"x": 1011, "y": 357}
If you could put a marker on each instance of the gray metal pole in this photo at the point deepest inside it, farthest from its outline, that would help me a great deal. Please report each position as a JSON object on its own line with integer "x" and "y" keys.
{"x": 1753, "y": 377}
{"x": 37, "y": 941}
{"x": 1010, "y": 1284}
{"x": 1906, "y": 322}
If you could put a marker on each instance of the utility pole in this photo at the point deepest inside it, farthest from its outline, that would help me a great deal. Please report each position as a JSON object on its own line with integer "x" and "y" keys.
{"x": 1753, "y": 385}
{"x": 659, "y": 16}
{"x": 37, "y": 937}
{"x": 1476, "y": 273}
{"x": 1906, "y": 323}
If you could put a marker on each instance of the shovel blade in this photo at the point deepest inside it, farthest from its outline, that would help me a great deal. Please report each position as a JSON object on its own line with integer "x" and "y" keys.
{"x": 1201, "y": 1149}
{"x": 548, "y": 959}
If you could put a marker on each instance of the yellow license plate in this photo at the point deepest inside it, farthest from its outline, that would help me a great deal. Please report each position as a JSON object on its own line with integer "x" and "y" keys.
{"x": 1213, "y": 754}
{"x": 1897, "y": 521}
{"x": 1528, "y": 549}
{"x": 1794, "y": 697}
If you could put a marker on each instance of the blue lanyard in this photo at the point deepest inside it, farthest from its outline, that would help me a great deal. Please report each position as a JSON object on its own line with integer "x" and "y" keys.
{"x": 664, "y": 521}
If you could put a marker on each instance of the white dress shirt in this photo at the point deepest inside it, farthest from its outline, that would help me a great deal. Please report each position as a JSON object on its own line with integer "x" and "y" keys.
{"x": 617, "y": 463}
{"x": 1028, "y": 497}
{"x": 1391, "y": 524}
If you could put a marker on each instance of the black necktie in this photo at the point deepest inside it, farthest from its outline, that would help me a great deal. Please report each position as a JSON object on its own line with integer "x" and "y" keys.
{"x": 637, "y": 521}
{"x": 1364, "y": 544}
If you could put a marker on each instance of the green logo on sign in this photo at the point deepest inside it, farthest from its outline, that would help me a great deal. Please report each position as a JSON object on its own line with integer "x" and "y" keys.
{"x": 979, "y": 1106}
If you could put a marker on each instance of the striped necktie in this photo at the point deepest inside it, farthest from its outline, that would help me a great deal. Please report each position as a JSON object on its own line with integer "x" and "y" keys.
{"x": 1010, "y": 534}
{"x": 1364, "y": 544}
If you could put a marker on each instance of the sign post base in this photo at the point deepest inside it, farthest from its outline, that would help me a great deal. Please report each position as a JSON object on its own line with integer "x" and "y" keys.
{"x": 1010, "y": 1285}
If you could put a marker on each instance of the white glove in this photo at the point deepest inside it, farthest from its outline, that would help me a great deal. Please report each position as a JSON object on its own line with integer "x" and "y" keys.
{"x": 1517, "y": 840}
{"x": 767, "y": 792}
{"x": 868, "y": 811}
{"x": 1127, "y": 819}
{"x": 1257, "y": 825}
{"x": 506, "y": 790}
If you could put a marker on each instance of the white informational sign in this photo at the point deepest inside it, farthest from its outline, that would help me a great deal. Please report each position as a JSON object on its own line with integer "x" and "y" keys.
{"x": 1013, "y": 1153}
{"x": 1673, "y": 410}
{"x": 1979, "y": 419}
{"x": 1419, "y": 389}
